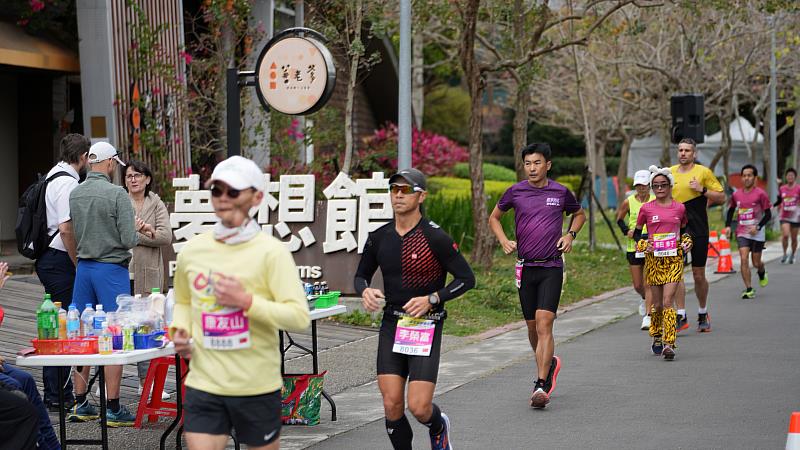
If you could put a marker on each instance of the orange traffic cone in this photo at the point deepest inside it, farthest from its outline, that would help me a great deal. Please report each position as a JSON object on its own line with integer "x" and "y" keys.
{"x": 713, "y": 245}
{"x": 793, "y": 438}
{"x": 725, "y": 262}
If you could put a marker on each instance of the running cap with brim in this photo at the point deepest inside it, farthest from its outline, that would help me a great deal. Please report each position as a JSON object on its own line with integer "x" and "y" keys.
{"x": 102, "y": 151}
{"x": 239, "y": 173}
{"x": 413, "y": 176}
{"x": 641, "y": 177}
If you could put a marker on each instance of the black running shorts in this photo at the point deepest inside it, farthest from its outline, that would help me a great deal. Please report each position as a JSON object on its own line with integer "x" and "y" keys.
{"x": 753, "y": 245}
{"x": 791, "y": 224}
{"x": 540, "y": 288}
{"x": 699, "y": 251}
{"x": 633, "y": 260}
{"x": 415, "y": 368}
{"x": 256, "y": 419}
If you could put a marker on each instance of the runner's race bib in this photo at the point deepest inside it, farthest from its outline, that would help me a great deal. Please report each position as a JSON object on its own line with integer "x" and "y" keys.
{"x": 413, "y": 336}
{"x": 790, "y": 203}
{"x": 227, "y": 329}
{"x": 665, "y": 244}
{"x": 518, "y": 272}
{"x": 747, "y": 216}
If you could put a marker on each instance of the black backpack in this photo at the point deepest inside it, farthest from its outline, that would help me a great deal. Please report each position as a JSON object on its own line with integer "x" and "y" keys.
{"x": 31, "y": 229}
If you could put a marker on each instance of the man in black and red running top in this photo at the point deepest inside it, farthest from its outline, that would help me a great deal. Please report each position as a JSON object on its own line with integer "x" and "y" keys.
{"x": 414, "y": 256}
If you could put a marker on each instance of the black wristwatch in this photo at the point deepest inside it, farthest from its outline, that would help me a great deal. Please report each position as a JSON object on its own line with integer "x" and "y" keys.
{"x": 434, "y": 299}
{"x": 573, "y": 234}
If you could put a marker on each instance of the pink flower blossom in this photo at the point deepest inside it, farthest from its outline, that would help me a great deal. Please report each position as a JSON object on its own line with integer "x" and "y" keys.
{"x": 36, "y": 5}
{"x": 186, "y": 57}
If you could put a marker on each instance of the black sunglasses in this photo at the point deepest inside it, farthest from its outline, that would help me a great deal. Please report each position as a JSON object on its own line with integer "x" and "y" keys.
{"x": 217, "y": 191}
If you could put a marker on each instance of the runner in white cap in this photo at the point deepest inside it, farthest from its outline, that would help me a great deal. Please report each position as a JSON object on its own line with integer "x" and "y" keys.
{"x": 627, "y": 213}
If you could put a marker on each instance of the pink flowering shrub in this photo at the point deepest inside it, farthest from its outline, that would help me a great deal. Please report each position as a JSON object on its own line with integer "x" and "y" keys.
{"x": 433, "y": 154}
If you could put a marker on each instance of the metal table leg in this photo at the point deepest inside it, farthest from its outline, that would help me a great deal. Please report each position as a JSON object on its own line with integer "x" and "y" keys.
{"x": 179, "y": 403}
{"x": 62, "y": 422}
{"x": 103, "y": 407}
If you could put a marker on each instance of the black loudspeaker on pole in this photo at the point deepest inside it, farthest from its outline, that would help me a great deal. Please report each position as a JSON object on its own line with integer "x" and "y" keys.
{"x": 688, "y": 120}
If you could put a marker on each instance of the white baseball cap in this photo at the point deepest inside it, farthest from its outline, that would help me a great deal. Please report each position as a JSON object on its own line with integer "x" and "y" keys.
{"x": 102, "y": 151}
{"x": 641, "y": 177}
{"x": 239, "y": 173}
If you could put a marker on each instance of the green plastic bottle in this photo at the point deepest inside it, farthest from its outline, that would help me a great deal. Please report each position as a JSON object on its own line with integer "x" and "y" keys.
{"x": 47, "y": 319}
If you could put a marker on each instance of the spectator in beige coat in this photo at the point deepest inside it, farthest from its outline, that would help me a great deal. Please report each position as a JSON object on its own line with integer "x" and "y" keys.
{"x": 147, "y": 264}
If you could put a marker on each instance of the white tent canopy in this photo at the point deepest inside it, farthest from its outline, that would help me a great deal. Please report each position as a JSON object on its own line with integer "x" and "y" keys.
{"x": 647, "y": 151}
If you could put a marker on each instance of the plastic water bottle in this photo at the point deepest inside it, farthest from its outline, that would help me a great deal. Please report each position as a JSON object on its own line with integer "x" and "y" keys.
{"x": 62, "y": 321}
{"x": 73, "y": 323}
{"x": 99, "y": 318}
{"x": 105, "y": 343}
{"x": 127, "y": 338}
{"x": 169, "y": 307}
{"x": 87, "y": 321}
{"x": 47, "y": 319}
{"x": 158, "y": 302}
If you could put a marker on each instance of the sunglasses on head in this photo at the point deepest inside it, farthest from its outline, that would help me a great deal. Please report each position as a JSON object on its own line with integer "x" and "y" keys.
{"x": 217, "y": 191}
{"x": 404, "y": 188}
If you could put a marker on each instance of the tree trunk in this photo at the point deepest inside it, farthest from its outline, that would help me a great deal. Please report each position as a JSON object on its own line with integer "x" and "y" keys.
{"x": 484, "y": 242}
{"x": 227, "y": 61}
{"x": 622, "y": 172}
{"x": 520, "y": 136}
{"x": 417, "y": 74}
{"x": 589, "y": 137}
{"x": 602, "y": 172}
{"x": 724, "y": 145}
{"x": 796, "y": 143}
{"x": 355, "y": 55}
{"x": 666, "y": 138}
{"x": 765, "y": 149}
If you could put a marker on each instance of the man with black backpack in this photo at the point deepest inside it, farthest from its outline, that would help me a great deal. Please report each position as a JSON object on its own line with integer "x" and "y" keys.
{"x": 55, "y": 264}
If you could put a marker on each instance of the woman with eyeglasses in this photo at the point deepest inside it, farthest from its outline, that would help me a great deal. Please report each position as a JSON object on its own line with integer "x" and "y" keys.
{"x": 147, "y": 264}
{"x": 664, "y": 247}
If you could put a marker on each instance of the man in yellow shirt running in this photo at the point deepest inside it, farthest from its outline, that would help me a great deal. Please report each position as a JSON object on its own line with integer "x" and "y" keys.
{"x": 697, "y": 188}
{"x": 235, "y": 288}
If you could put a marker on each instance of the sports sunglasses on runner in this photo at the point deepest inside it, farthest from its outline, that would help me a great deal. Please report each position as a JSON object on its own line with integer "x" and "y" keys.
{"x": 404, "y": 188}
{"x": 217, "y": 191}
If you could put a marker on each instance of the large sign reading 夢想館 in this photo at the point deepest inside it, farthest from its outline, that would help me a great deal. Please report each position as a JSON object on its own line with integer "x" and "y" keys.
{"x": 295, "y": 73}
{"x": 326, "y": 237}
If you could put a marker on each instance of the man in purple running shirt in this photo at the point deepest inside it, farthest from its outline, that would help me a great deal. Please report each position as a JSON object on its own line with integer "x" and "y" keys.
{"x": 539, "y": 205}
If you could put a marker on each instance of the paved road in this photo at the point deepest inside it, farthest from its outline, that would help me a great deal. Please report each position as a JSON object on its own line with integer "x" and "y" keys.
{"x": 733, "y": 388}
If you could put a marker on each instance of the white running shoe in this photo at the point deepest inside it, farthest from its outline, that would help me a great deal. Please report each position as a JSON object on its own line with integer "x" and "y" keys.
{"x": 164, "y": 394}
{"x": 646, "y": 323}
{"x": 642, "y": 310}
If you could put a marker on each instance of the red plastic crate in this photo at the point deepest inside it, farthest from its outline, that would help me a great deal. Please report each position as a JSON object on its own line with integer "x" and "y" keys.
{"x": 81, "y": 346}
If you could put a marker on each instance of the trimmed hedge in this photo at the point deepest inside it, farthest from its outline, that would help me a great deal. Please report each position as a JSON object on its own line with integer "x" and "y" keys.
{"x": 449, "y": 205}
{"x": 490, "y": 172}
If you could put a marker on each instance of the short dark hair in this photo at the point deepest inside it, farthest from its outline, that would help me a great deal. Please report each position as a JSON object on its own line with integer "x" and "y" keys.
{"x": 689, "y": 141}
{"x": 72, "y": 146}
{"x": 541, "y": 147}
{"x": 790, "y": 169}
{"x": 140, "y": 167}
{"x": 750, "y": 166}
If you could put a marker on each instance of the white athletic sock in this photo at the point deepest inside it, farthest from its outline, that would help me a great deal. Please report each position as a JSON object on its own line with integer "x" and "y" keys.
{"x": 682, "y": 312}
{"x": 702, "y": 310}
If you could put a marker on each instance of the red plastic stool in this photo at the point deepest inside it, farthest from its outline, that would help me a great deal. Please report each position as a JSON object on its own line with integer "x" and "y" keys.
{"x": 152, "y": 405}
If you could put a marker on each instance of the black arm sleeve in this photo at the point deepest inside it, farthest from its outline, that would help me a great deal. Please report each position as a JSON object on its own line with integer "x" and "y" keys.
{"x": 366, "y": 267}
{"x": 454, "y": 263}
{"x": 778, "y": 201}
{"x": 765, "y": 219}
{"x": 623, "y": 226}
{"x": 637, "y": 234}
{"x": 729, "y": 218}
{"x": 683, "y": 231}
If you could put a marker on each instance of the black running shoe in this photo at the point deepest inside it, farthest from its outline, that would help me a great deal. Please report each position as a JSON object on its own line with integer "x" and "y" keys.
{"x": 552, "y": 375}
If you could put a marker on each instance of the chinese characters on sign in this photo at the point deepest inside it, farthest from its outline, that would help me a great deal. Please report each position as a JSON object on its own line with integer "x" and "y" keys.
{"x": 350, "y": 211}
{"x": 292, "y": 75}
